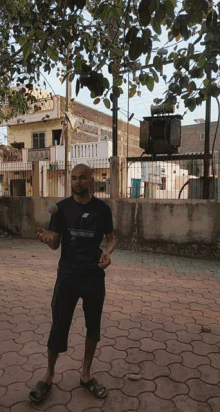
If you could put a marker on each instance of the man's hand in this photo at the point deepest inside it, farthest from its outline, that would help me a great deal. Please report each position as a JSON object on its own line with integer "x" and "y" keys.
{"x": 105, "y": 260}
{"x": 43, "y": 235}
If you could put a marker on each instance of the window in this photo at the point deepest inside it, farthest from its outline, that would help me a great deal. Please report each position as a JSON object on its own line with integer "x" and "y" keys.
{"x": 38, "y": 140}
{"x": 202, "y": 136}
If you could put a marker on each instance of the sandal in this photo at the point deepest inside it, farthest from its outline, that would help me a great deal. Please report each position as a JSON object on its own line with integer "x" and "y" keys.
{"x": 94, "y": 387}
{"x": 40, "y": 390}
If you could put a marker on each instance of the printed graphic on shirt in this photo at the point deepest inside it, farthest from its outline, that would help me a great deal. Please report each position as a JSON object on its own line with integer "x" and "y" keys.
{"x": 80, "y": 233}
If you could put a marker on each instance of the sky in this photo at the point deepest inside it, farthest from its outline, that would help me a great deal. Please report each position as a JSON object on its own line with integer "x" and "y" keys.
{"x": 139, "y": 106}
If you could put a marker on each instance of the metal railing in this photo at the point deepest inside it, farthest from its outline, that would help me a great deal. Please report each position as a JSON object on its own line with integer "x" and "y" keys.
{"x": 170, "y": 176}
{"x": 39, "y": 154}
{"x": 52, "y": 180}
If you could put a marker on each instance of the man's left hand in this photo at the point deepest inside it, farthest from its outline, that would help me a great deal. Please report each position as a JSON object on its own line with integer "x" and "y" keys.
{"x": 105, "y": 260}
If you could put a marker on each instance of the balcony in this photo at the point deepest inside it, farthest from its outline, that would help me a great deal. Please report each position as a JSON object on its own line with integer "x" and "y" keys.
{"x": 38, "y": 154}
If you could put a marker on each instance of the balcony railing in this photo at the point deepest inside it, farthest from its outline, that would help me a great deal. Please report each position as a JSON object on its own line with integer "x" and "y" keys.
{"x": 39, "y": 154}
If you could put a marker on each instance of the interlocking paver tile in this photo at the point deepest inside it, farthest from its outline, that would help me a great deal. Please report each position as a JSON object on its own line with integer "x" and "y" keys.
{"x": 164, "y": 358}
{"x": 16, "y": 392}
{"x": 215, "y": 359}
{"x": 161, "y": 335}
{"x": 13, "y": 374}
{"x": 134, "y": 388}
{"x": 201, "y": 391}
{"x": 108, "y": 353}
{"x": 209, "y": 374}
{"x": 135, "y": 355}
{"x": 149, "y": 370}
{"x": 81, "y": 400}
{"x": 151, "y": 403}
{"x": 214, "y": 403}
{"x": 183, "y": 403}
{"x": 166, "y": 388}
{"x": 146, "y": 305}
{"x": 180, "y": 373}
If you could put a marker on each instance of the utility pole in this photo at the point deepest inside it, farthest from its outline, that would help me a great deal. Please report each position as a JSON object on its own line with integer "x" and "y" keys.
{"x": 207, "y": 143}
{"x": 68, "y": 142}
{"x": 115, "y": 122}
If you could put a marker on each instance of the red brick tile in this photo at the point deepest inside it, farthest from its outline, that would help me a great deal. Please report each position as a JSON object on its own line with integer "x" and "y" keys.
{"x": 180, "y": 373}
{"x": 164, "y": 358}
{"x": 151, "y": 403}
{"x": 192, "y": 360}
{"x": 183, "y": 403}
{"x": 201, "y": 391}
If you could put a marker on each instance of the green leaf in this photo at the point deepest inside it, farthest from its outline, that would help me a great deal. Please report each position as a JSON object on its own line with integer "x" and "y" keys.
{"x": 206, "y": 82}
{"x": 71, "y": 77}
{"x": 22, "y": 40}
{"x": 170, "y": 8}
{"x": 191, "y": 104}
{"x": 77, "y": 87}
{"x": 202, "y": 61}
{"x": 136, "y": 48}
{"x": 40, "y": 34}
{"x": 27, "y": 49}
{"x": 53, "y": 54}
{"x": 156, "y": 26}
{"x": 116, "y": 52}
{"x": 150, "y": 83}
{"x": 107, "y": 103}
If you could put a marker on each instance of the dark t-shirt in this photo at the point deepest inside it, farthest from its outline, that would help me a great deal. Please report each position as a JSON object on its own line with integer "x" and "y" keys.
{"x": 82, "y": 227}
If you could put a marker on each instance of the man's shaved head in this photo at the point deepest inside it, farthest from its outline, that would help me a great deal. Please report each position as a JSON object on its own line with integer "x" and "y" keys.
{"x": 83, "y": 168}
{"x": 81, "y": 181}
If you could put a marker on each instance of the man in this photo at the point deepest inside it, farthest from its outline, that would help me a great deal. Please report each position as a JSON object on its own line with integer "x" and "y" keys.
{"x": 81, "y": 220}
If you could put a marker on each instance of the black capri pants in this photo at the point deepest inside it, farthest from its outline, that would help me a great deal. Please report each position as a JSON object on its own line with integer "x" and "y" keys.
{"x": 67, "y": 292}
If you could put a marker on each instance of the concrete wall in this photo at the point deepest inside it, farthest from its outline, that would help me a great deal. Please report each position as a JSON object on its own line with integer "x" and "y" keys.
{"x": 177, "y": 227}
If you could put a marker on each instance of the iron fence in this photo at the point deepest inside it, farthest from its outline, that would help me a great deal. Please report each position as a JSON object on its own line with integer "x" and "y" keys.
{"x": 52, "y": 181}
{"x": 170, "y": 176}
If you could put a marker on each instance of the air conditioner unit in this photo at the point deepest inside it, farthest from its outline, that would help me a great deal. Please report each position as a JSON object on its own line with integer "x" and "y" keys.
{"x": 104, "y": 138}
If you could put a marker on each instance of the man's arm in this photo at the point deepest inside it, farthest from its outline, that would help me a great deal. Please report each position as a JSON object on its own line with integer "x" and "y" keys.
{"x": 111, "y": 243}
{"x": 51, "y": 239}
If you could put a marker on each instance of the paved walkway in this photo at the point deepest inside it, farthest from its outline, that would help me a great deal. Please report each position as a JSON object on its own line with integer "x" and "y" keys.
{"x": 154, "y": 314}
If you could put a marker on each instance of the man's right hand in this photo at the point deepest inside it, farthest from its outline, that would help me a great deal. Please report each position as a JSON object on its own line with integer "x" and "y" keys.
{"x": 43, "y": 235}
